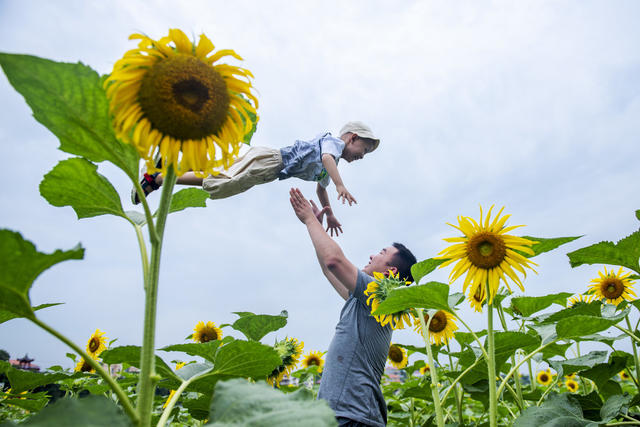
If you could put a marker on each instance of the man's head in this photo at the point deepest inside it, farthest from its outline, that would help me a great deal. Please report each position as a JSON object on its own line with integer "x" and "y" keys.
{"x": 358, "y": 139}
{"x": 396, "y": 258}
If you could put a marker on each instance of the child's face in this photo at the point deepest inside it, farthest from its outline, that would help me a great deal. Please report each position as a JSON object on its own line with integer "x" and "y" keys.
{"x": 355, "y": 149}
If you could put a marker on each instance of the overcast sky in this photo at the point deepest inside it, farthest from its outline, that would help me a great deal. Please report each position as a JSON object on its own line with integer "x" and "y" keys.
{"x": 529, "y": 105}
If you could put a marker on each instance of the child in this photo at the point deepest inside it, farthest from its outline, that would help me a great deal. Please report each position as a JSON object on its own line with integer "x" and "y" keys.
{"x": 314, "y": 160}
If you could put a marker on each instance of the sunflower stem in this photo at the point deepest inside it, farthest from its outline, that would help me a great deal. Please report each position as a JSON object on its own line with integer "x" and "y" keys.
{"x": 167, "y": 412}
{"x": 433, "y": 370}
{"x": 153, "y": 236}
{"x": 473, "y": 334}
{"x": 628, "y": 332}
{"x": 144, "y": 256}
{"x": 526, "y": 359}
{"x": 444, "y": 398}
{"x": 148, "y": 377}
{"x": 520, "y": 399}
{"x": 122, "y": 396}
{"x": 491, "y": 367}
{"x": 633, "y": 346}
{"x": 458, "y": 400}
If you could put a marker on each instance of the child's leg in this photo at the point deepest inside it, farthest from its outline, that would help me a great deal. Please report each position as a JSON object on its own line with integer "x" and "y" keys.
{"x": 189, "y": 178}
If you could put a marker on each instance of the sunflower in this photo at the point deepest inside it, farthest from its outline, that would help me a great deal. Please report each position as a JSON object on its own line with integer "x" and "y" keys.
{"x": 441, "y": 327}
{"x": 614, "y": 287}
{"x": 624, "y": 375}
{"x": 571, "y": 385}
{"x": 477, "y": 298}
{"x": 173, "y": 95}
{"x": 378, "y": 291}
{"x": 314, "y": 358}
{"x": 289, "y": 350}
{"x": 97, "y": 343}
{"x": 179, "y": 365}
{"x": 397, "y": 356}
{"x": 486, "y": 253}
{"x": 206, "y": 332}
{"x": 83, "y": 366}
{"x": 578, "y": 300}
{"x": 425, "y": 369}
{"x": 571, "y": 376}
{"x": 544, "y": 377}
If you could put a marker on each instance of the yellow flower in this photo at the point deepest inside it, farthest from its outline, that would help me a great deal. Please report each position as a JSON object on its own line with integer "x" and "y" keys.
{"x": 425, "y": 369}
{"x": 397, "y": 356}
{"x": 83, "y": 366}
{"x": 477, "y": 298}
{"x": 378, "y": 291}
{"x": 179, "y": 365}
{"x": 441, "y": 328}
{"x": 571, "y": 376}
{"x": 578, "y": 300}
{"x": 571, "y": 385}
{"x": 205, "y": 332}
{"x": 97, "y": 343}
{"x": 486, "y": 253}
{"x": 289, "y": 350}
{"x": 544, "y": 377}
{"x": 175, "y": 96}
{"x": 314, "y": 358}
{"x": 614, "y": 287}
{"x": 624, "y": 376}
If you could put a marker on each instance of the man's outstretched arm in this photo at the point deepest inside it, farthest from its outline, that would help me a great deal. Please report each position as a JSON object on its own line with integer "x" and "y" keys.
{"x": 336, "y": 267}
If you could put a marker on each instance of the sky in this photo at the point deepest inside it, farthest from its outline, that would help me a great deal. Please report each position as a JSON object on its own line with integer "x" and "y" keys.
{"x": 530, "y": 105}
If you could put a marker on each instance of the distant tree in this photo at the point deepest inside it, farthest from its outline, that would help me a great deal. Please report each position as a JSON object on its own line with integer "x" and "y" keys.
{"x": 4, "y": 355}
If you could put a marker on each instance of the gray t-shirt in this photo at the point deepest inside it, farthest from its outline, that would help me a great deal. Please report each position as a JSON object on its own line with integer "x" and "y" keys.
{"x": 304, "y": 158}
{"x": 355, "y": 361}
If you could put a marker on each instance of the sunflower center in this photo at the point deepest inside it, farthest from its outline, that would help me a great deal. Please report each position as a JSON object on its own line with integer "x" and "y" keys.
{"x": 544, "y": 378}
{"x": 209, "y": 335}
{"x": 185, "y": 98}
{"x": 85, "y": 367}
{"x": 94, "y": 345}
{"x": 438, "y": 323}
{"x": 612, "y": 288}
{"x": 395, "y": 354}
{"x": 486, "y": 250}
{"x": 313, "y": 361}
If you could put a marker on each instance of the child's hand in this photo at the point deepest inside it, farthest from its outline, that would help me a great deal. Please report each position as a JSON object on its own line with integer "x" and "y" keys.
{"x": 333, "y": 224}
{"x": 345, "y": 195}
{"x": 319, "y": 213}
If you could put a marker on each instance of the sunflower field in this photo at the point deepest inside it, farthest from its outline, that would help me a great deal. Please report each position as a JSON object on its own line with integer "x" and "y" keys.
{"x": 172, "y": 104}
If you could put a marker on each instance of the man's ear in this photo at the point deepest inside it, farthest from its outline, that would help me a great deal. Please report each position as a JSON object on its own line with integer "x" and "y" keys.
{"x": 392, "y": 269}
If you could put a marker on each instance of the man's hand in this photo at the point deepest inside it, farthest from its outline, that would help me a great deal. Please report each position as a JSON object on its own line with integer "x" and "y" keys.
{"x": 333, "y": 225}
{"x": 345, "y": 195}
{"x": 301, "y": 206}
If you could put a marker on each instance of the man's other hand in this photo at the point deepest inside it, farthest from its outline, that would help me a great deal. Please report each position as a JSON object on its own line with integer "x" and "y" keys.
{"x": 301, "y": 206}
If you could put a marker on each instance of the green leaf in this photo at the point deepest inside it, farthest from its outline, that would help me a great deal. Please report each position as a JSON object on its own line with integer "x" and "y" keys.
{"x": 422, "y": 268}
{"x": 69, "y": 100}
{"x": 23, "y": 380}
{"x": 624, "y": 253}
{"x": 433, "y": 295}
{"x": 602, "y": 372}
{"x": 614, "y": 406}
{"x": 601, "y": 338}
{"x": 198, "y": 408}
{"x": 526, "y": 306}
{"x": 568, "y": 367}
{"x": 188, "y": 198}
{"x": 94, "y": 411}
{"x": 455, "y": 299}
{"x": 555, "y": 349}
{"x": 559, "y": 410}
{"x": 77, "y": 183}
{"x": 592, "y": 309}
{"x": 246, "y": 359}
{"x": 465, "y": 338}
{"x": 20, "y": 265}
{"x": 205, "y": 350}
{"x": 577, "y": 326}
{"x": 131, "y": 354}
{"x": 638, "y": 214}
{"x": 610, "y": 388}
{"x": 32, "y": 402}
{"x": 546, "y": 245}
{"x": 506, "y": 343}
{"x": 237, "y": 402}
{"x": 256, "y": 326}
{"x": 7, "y": 315}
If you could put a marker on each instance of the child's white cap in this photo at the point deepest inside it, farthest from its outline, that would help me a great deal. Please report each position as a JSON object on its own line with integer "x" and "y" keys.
{"x": 361, "y": 130}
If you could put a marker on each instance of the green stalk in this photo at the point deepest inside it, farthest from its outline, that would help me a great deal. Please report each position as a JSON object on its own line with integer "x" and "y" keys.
{"x": 473, "y": 334}
{"x": 458, "y": 400}
{"x": 491, "y": 367}
{"x": 520, "y": 399}
{"x": 633, "y": 346}
{"x": 167, "y": 411}
{"x": 433, "y": 370}
{"x": 148, "y": 376}
{"x": 628, "y": 332}
{"x": 526, "y": 359}
{"x": 532, "y": 384}
{"x": 144, "y": 257}
{"x": 122, "y": 396}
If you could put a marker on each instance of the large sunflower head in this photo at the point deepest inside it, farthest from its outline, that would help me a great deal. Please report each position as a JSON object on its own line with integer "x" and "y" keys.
{"x": 205, "y": 332}
{"x": 378, "y": 291}
{"x": 397, "y": 356}
{"x": 486, "y": 253}
{"x": 572, "y": 385}
{"x": 612, "y": 286}
{"x": 441, "y": 328}
{"x": 97, "y": 343}
{"x": 313, "y": 358}
{"x": 544, "y": 377}
{"x": 175, "y": 96}
{"x": 289, "y": 350}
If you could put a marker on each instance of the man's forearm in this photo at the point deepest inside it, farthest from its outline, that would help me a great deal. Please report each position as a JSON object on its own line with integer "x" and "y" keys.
{"x": 326, "y": 248}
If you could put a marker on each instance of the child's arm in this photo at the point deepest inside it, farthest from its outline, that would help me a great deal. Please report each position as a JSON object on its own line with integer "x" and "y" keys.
{"x": 329, "y": 163}
{"x": 332, "y": 222}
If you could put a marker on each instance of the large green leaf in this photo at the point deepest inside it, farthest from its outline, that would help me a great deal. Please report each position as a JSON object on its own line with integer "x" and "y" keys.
{"x": 205, "y": 350}
{"x": 188, "y": 198}
{"x": 569, "y": 366}
{"x": 591, "y": 309}
{"x": 69, "y": 100}
{"x": 433, "y": 295}
{"x": 526, "y": 306}
{"x": 422, "y": 268}
{"x": 32, "y": 402}
{"x": 546, "y": 245}
{"x": 246, "y": 359}
{"x": 256, "y": 326}
{"x": 20, "y": 265}
{"x": 8, "y": 315}
{"x": 614, "y": 406}
{"x": 506, "y": 343}
{"x": 237, "y": 402}
{"x": 581, "y": 325}
{"x": 559, "y": 410}
{"x": 22, "y": 380}
{"x": 131, "y": 354}
{"x": 77, "y": 183}
{"x": 602, "y": 372}
{"x": 94, "y": 411}
{"x": 624, "y": 253}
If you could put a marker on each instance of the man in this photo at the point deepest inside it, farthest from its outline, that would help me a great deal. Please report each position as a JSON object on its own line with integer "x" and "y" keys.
{"x": 358, "y": 351}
